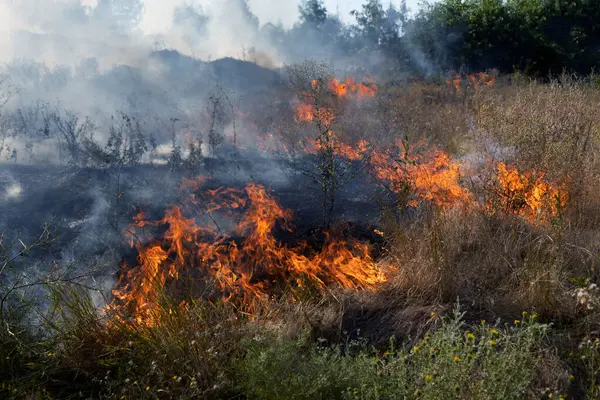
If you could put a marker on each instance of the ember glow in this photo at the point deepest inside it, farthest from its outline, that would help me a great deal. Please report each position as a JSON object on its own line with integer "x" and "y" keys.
{"x": 245, "y": 266}
{"x": 474, "y": 80}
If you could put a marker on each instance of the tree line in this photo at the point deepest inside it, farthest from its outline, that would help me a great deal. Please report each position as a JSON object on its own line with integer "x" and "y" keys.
{"x": 534, "y": 37}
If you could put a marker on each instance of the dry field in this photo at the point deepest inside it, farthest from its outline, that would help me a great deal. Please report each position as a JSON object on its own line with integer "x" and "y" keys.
{"x": 474, "y": 278}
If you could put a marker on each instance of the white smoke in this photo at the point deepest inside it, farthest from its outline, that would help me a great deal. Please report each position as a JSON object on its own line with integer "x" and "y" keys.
{"x": 61, "y": 32}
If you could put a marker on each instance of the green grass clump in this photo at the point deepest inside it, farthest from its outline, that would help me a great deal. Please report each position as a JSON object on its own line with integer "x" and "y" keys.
{"x": 452, "y": 363}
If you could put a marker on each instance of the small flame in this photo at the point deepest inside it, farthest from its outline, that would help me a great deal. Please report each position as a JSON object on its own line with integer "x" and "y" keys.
{"x": 455, "y": 82}
{"x": 473, "y": 79}
{"x": 350, "y": 87}
{"x": 435, "y": 177}
{"x": 527, "y": 194}
{"x": 308, "y": 112}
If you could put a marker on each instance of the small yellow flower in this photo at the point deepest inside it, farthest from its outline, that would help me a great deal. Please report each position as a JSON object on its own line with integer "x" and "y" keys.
{"x": 432, "y": 314}
{"x": 534, "y": 316}
{"x": 174, "y": 377}
{"x": 416, "y": 349}
{"x": 493, "y": 342}
{"x": 550, "y": 396}
{"x": 571, "y": 378}
{"x": 517, "y": 322}
{"x": 428, "y": 378}
{"x": 524, "y": 313}
{"x": 147, "y": 388}
{"x": 51, "y": 354}
{"x": 483, "y": 322}
{"x": 494, "y": 332}
{"x": 470, "y": 336}
{"x": 457, "y": 359}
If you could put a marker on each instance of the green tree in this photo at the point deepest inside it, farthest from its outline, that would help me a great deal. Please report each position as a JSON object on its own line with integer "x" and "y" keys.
{"x": 370, "y": 20}
{"x": 535, "y": 36}
{"x": 312, "y": 12}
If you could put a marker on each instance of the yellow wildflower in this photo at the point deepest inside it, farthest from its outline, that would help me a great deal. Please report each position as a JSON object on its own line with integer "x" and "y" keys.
{"x": 147, "y": 388}
{"x": 457, "y": 359}
{"x": 428, "y": 378}
{"x": 493, "y": 342}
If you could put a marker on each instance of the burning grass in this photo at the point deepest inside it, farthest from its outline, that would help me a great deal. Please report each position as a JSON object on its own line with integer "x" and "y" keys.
{"x": 487, "y": 199}
{"x": 245, "y": 271}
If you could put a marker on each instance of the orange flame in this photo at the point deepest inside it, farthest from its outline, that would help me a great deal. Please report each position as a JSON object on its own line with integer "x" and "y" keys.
{"x": 308, "y": 112}
{"x": 349, "y": 86}
{"x": 435, "y": 178}
{"x": 481, "y": 78}
{"x": 455, "y": 83}
{"x": 527, "y": 194}
{"x": 243, "y": 271}
{"x": 475, "y": 80}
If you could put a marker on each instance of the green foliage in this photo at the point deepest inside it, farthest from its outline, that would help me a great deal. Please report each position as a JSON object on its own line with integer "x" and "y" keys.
{"x": 535, "y": 36}
{"x": 452, "y": 363}
{"x": 312, "y": 12}
{"x": 209, "y": 351}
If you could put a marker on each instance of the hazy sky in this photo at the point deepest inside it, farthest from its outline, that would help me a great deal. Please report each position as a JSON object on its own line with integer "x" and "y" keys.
{"x": 158, "y": 13}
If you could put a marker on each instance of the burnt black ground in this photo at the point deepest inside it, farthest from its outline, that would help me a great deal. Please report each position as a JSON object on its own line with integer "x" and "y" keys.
{"x": 87, "y": 209}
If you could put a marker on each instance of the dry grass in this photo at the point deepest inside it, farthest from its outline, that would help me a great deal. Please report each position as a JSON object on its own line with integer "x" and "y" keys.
{"x": 497, "y": 266}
